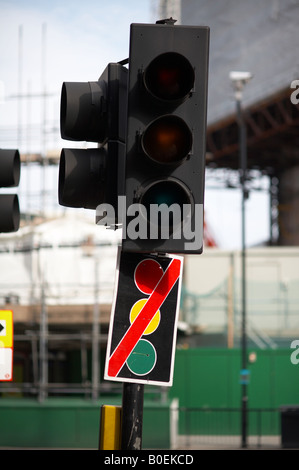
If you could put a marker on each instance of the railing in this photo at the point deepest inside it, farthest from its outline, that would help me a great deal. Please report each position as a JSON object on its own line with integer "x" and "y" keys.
{"x": 200, "y": 428}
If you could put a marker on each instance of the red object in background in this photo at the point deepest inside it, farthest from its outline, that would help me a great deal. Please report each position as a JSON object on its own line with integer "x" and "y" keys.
{"x": 208, "y": 238}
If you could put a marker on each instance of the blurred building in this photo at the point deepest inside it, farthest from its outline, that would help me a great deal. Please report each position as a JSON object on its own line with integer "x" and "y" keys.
{"x": 260, "y": 37}
{"x": 58, "y": 279}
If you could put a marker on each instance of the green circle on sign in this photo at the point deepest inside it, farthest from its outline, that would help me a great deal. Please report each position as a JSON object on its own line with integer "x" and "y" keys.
{"x": 143, "y": 358}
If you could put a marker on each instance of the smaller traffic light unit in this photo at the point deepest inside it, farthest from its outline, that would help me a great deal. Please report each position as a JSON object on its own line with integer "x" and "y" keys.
{"x": 165, "y": 144}
{"x": 10, "y": 170}
{"x": 93, "y": 112}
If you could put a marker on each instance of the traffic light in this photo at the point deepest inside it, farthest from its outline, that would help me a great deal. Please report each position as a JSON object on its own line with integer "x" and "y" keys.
{"x": 93, "y": 112}
{"x": 10, "y": 169}
{"x": 166, "y": 127}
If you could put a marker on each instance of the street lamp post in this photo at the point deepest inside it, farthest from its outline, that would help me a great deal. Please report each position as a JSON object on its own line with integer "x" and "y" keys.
{"x": 239, "y": 79}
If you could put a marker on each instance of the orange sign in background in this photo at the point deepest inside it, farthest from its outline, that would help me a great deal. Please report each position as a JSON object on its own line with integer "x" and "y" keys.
{"x": 6, "y": 345}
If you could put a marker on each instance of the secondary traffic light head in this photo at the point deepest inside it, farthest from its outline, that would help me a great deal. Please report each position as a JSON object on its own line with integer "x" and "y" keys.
{"x": 10, "y": 169}
{"x": 165, "y": 145}
{"x": 93, "y": 112}
{"x": 82, "y": 113}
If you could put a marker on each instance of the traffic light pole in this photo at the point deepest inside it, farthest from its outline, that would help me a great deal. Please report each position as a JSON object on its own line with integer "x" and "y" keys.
{"x": 150, "y": 120}
{"x": 132, "y": 416}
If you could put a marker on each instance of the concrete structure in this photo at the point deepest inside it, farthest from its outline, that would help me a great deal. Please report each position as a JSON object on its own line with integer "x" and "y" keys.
{"x": 259, "y": 36}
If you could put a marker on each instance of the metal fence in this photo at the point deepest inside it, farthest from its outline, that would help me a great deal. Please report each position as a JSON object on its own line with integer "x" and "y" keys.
{"x": 203, "y": 428}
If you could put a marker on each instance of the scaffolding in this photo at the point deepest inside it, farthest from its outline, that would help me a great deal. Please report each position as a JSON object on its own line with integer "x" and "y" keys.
{"x": 59, "y": 282}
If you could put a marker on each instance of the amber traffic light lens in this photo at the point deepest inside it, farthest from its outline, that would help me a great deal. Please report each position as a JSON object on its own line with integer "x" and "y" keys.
{"x": 169, "y": 77}
{"x": 167, "y": 140}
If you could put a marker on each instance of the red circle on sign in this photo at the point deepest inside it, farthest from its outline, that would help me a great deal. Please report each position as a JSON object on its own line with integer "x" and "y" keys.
{"x": 147, "y": 275}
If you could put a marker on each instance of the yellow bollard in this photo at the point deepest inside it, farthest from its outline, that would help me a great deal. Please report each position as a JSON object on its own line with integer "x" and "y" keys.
{"x": 110, "y": 428}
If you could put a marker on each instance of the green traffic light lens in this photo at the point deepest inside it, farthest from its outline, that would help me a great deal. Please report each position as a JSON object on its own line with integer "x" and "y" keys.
{"x": 169, "y": 77}
{"x": 169, "y": 192}
{"x": 165, "y": 192}
{"x": 167, "y": 140}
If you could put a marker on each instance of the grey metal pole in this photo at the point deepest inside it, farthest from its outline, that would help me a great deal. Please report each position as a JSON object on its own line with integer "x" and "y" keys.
{"x": 239, "y": 80}
{"x": 243, "y": 171}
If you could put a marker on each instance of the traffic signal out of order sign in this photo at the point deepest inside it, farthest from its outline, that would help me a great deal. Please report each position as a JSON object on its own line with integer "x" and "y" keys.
{"x": 142, "y": 332}
{"x": 10, "y": 169}
{"x": 165, "y": 143}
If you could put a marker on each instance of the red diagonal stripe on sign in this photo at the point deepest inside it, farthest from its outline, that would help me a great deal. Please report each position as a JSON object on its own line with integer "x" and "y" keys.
{"x": 139, "y": 325}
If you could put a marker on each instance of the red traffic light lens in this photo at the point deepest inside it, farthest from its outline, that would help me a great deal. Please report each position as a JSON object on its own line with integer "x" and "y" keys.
{"x": 167, "y": 140}
{"x": 169, "y": 77}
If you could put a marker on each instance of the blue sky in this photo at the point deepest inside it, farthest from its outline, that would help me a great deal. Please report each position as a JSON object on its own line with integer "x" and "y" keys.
{"x": 81, "y": 38}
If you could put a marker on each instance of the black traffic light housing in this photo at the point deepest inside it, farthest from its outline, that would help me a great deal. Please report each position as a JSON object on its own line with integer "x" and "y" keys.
{"x": 93, "y": 112}
{"x": 165, "y": 144}
{"x": 10, "y": 169}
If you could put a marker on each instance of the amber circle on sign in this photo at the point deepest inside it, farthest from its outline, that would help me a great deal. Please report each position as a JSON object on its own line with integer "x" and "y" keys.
{"x": 135, "y": 311}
